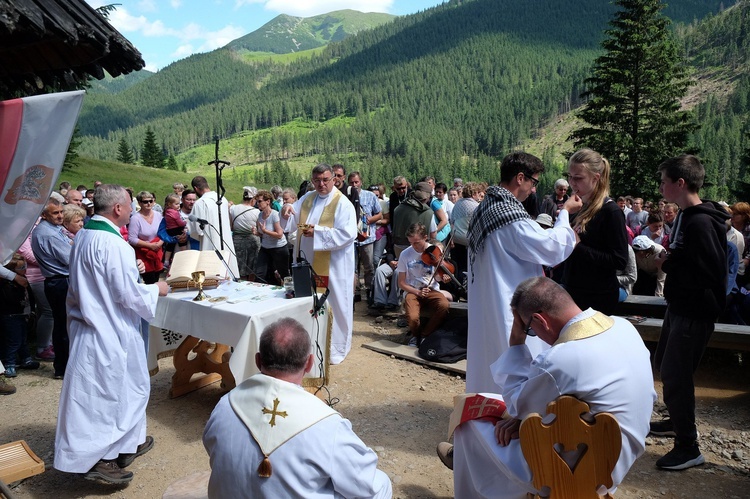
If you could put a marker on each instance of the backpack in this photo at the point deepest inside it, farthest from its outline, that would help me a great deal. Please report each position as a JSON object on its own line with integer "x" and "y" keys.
{"x": 447, "y": 344}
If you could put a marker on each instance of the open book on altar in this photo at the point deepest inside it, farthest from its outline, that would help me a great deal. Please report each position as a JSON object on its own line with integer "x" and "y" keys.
{"x": 189, "y": 261}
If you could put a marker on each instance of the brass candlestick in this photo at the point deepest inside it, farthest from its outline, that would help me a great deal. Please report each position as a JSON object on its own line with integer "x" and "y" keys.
{"x": 199, "y": 278}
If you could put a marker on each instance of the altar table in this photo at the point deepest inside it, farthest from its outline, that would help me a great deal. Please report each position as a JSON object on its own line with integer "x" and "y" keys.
{"x": 220, "y": 337}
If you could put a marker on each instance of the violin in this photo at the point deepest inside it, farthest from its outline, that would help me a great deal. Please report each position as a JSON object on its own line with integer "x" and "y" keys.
{"x": 435, "y": 257}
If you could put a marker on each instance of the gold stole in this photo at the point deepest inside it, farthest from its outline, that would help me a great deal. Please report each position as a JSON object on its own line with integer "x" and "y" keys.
{"x": 586, "y": 328}
{"x": 321, "y": 263}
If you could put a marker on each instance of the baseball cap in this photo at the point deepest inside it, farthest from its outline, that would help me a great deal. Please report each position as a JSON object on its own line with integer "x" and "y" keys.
{"x": 642, "y": 243}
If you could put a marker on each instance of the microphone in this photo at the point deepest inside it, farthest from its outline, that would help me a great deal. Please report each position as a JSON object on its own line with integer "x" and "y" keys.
{"x": 200, "y": 221}
{"x": 321, "y": 302}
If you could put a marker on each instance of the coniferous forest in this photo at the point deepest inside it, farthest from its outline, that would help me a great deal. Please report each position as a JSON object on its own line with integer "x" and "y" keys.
{"x": 445, "y": 92}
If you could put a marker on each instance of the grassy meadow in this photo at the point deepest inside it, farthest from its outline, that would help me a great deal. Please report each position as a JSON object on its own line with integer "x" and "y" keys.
{"x": 158, "y": 181}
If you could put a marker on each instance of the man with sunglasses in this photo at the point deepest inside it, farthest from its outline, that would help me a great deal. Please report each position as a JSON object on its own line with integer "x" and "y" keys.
{"x": 506, "y": 247}
{"x": 489, "y": 461}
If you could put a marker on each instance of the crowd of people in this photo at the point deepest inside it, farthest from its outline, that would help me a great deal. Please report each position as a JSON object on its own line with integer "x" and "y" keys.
{"x": 92, "y": 247}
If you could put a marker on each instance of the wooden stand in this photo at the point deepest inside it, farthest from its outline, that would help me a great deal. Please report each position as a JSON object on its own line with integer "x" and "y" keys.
{"x": 18, "y": 461}
{"x": 195, "y": 356}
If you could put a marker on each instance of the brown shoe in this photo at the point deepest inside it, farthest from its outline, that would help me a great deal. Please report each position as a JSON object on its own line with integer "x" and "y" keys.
{"x": 445, "y": 453}
{"x": 125, "y": 460}
{"x": 6, "y": 388}
{"x": 108, "y": 471}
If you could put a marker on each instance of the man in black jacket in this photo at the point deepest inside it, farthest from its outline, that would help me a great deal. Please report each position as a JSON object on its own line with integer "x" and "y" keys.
{"x": 695, "y": 289}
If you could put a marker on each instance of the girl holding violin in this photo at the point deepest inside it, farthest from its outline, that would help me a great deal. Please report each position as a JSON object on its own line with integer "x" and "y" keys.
{"x": 417, "y": 279}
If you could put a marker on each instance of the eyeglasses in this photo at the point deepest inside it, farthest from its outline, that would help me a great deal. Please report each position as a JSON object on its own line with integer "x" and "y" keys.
{"x": 339, "y": 175}
{"x": 527, "y": 330}
{"x": 322, "y": 180}
{"x": 534, "y": 181}
{"x": 400, "y": 187}
{"x": 147, "y": 201}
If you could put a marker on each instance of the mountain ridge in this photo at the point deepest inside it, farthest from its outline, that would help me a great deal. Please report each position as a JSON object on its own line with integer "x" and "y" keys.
{"x": 285, "y": 33}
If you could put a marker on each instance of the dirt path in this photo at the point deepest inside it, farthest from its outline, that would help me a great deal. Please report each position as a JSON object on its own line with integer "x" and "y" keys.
{"x": 398, "y": 408}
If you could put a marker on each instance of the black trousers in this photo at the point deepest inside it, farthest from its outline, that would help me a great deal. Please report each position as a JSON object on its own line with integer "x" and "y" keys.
{"x": 56, "y": 291}
{"x": 678, "y": 354}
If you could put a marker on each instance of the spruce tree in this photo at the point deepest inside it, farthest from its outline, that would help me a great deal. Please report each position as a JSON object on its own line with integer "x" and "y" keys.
{"x": 124, "y": 154}
{"x": 151, "y": 154}
{"x": 633, "y": 112}
{"x": 172, "y": 163}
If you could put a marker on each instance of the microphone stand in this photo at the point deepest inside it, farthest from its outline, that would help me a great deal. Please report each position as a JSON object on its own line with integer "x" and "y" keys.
{"x": 220, "y": 190}
{"x": 218, "y": 253}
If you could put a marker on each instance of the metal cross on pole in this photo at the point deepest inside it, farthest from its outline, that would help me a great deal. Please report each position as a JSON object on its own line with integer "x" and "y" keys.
{"x": 220, "y": 190}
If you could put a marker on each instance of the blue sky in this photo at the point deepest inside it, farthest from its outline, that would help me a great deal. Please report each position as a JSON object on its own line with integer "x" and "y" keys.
{"x": 168, "y": 30}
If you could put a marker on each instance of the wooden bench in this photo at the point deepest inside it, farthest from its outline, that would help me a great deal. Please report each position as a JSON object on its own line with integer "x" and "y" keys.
{"x": 725, "y": 336}
{"x": 647, "y": 306}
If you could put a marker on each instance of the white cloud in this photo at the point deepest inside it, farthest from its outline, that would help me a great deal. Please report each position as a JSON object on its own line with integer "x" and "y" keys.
{"x": 176, "y": 4}
{"x": 151, "y": 67}
{"x": 307, "y": 8}
{"x": 183, "y": 51}
{"x": 147, "y": 6}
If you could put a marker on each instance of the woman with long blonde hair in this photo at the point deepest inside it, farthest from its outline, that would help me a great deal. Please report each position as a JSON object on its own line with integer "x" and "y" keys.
{"x": 590, "y": 273}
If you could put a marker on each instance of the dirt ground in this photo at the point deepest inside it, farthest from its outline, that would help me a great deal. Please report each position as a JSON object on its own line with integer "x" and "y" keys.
{"x": 398, "y": 408}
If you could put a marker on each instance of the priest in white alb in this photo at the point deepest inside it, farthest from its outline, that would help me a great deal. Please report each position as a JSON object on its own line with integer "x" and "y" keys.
{"x": 206, "y": 208}
{"x": 101, "y": 425}
{"x": 507, "y": 246}
{"x": 327, "y": 228}
{"x": 269, "y": 438}
{"x": 598, "y": 359}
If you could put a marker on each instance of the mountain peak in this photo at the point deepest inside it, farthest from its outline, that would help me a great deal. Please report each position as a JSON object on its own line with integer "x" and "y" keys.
{"x": 285, "y": 34}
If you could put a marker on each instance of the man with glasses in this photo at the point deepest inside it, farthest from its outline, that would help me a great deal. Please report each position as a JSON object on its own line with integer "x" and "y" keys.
{"x": 506, "y": 247}
{"x": 578, "y": 362}
{"x": 400, "y": 191}
{"x": 327, "y": 228}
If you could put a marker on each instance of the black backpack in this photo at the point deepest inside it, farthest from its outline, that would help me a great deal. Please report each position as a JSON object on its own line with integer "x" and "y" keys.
{"x": 447, "y": 344}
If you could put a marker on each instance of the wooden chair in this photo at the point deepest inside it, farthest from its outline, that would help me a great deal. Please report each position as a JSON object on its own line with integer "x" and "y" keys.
{"x": 570, "y": 457}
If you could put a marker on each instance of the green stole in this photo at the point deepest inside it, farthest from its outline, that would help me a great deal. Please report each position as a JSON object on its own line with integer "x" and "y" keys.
{"x": 101, "y": 225}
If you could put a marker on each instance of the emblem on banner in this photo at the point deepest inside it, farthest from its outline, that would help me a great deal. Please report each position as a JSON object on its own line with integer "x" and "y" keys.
{"x": 35, "y": 185}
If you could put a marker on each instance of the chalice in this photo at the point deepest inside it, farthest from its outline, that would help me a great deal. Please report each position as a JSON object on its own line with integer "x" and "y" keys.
{"x": 199, "y": 277}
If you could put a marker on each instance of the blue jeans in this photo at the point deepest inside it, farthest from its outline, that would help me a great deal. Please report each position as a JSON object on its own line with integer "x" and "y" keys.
{"x": 14, "y": 335}
{"x": 44, "y": 320}
{"x": 56, "y": 291}
{"x": 379, "y": 283}
{"x": 378, "y": 247}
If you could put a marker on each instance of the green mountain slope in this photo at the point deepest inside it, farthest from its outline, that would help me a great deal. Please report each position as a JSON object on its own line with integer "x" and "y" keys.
{"x": 285, "y": 34}
{"x": 465, "y": 80}
{"x": 111, "y": 85}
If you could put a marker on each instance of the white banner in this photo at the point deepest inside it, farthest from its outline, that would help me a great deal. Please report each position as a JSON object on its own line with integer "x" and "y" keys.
{"x": 34, "y": 136}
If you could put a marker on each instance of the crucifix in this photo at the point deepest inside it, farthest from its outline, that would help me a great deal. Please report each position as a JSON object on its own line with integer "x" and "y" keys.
{"x": 273, "y": 412}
